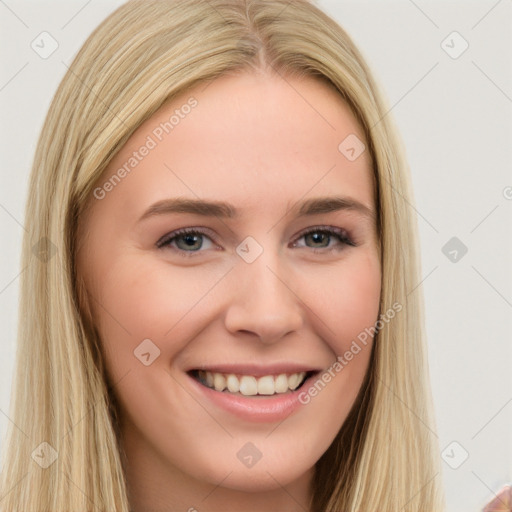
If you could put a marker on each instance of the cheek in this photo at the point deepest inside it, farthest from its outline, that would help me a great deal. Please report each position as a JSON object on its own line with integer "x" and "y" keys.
{"x": 347, "y": 299}
{"x": 138, "y": 299}
{"x": 359, "y": 298}
{"x": 348, "y": 309}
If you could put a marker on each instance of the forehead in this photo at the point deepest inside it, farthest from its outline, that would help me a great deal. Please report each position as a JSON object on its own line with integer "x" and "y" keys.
{"x": 253, "y": 139}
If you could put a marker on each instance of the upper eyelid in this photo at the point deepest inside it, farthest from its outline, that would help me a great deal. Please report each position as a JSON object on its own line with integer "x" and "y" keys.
{"x": 184, "y": 231}
{"x": 340, "y": 232}
{"x": 323, "y": 227}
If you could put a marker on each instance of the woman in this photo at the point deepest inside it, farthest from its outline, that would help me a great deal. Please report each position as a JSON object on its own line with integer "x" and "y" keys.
{"x": 222, "y": 310}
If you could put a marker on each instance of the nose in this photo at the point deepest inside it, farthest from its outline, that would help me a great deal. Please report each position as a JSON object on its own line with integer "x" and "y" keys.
{"x": 263, "y": 303}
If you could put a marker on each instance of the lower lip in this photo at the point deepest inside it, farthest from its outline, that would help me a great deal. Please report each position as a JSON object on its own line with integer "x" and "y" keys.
{"x": 257, "y": 408}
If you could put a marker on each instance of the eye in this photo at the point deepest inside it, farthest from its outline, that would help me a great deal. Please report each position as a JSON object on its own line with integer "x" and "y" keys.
{"x": 185, "y": 241}
{"x": 320, "y": 238}
{"x": 188, "y": 241}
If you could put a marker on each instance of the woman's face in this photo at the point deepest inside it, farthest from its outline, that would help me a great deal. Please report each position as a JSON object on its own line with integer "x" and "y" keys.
{"x": 278, "y": 276}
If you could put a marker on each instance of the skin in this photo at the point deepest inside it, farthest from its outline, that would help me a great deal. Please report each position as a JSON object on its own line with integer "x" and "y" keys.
{"x": 262, "y": 144}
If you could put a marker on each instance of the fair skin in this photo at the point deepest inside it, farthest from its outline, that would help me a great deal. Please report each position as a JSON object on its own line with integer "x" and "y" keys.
{"x": 264, "y": 145}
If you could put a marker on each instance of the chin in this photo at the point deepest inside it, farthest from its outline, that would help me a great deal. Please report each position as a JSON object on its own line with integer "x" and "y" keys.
{"x": 264, "y": 476}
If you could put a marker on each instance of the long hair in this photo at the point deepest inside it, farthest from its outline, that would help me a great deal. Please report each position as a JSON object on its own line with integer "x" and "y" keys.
{"x": 63, "y": 412}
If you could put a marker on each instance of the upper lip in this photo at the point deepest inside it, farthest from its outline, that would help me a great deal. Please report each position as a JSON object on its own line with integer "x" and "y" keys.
{"x": 257, "y": 370}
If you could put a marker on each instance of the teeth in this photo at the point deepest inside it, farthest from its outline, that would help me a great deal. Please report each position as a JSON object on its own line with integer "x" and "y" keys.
{"x": 266, "y": 385}
{"x": 281, "y": 384}
{"x": 219, "y": 381}
{"x": 249, "y": 385}
{"x": 233, "y": 383}
{"x": 293, "y": 381}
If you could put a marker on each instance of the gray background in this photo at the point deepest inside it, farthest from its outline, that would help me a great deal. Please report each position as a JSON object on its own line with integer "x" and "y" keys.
{"x": 454, "y": 115}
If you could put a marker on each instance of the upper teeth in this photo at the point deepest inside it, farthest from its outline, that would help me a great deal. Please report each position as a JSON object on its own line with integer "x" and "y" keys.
{"x": 249, "y": 385}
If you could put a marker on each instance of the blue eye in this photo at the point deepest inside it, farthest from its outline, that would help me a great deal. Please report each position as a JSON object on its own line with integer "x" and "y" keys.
{"x": 188, "y": 241}
{"x": 323, "y": 237}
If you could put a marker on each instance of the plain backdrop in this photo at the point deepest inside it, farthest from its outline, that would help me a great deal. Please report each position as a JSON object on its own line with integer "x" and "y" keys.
{"x": 445, "y": 69}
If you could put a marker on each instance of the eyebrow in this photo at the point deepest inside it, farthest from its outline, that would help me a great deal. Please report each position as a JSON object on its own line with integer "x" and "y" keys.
{"x": 221, "y": 209}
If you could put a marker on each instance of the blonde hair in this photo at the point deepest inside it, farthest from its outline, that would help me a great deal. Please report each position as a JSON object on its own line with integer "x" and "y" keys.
{"x": 385, "y": 456}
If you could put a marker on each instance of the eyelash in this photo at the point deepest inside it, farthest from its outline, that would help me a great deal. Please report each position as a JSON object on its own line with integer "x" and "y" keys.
{"x": 338, "y": 233}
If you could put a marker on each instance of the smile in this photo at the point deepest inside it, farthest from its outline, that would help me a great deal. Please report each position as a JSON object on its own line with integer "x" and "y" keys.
{"x": 250, "y": 385}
